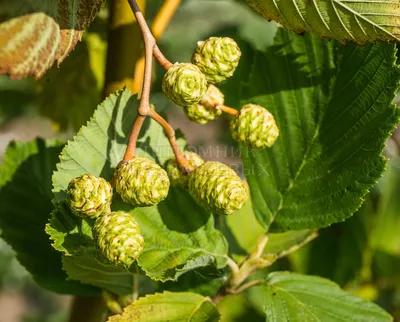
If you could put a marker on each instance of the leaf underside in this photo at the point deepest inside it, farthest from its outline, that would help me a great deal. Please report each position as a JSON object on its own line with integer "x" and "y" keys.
{"x": 358, "y": 21}
{"x": 179, "y": 235}
{"x": 35, "y": 34}
{"x": 333, "y": 126}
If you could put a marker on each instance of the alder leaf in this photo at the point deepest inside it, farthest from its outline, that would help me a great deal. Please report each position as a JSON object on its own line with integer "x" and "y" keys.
{"x": 26, "y": 205}
{"x": 297, "y": 298}
{"x": 179, "y": 235}
{"x": 358, "y": 21}
{"x": 169, "y": 307}
{"x": 332, "y": 128}
{"x": 35, "y": 34}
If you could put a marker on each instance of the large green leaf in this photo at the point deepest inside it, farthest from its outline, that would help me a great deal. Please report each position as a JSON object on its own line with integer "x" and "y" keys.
{"x": 295, "y": 297}
{"x": 169, "y": 307}
{"x": 25, "y": 208}
{"x": 332, "y": 130}
{"x": 179, "y": 235}
{"x": 357, "y": 21}
{"x": 35, "y": 34}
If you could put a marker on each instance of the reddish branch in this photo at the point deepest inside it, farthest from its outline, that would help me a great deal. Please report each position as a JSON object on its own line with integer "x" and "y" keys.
{"x": 144, "y": 105}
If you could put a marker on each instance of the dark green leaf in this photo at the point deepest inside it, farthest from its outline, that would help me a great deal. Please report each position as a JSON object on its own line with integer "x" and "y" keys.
{"x": 25, "y": 208}
{"x": 331, "y": 134}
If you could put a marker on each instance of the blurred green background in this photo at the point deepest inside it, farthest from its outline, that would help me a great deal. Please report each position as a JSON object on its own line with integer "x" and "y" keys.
{"x": 362, "y": 254}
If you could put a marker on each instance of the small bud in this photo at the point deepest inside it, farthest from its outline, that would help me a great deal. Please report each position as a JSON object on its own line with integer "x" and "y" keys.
{"x": 184, "y": 84}
{"x": 176, "y": 175}
{"x": 117, "y": 235}
{"x": 206, "y": 110}
{"x": 217, "y": 188}
{"x": 217, "y": 58}
{"x": 254, "y": 126}
{"x": 141, "y": 182}
{"x": 89, "y": 196}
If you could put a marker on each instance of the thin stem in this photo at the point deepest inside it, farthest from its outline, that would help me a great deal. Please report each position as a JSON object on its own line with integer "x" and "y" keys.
{"x": 163, "y": 61}
{"x": 245, "y": 286}
{"x": 170, "y": 132}
{"x": 233, "y": 266}
{"x": 111, "y": 303}
{"x": 299, "y": 245}
{"x": 144, "y": 105}
{"x": 158, "y": 27}
{"x": 262, "y": 242}
{"x": 131, "y": 148}
{"x": 227, "y": 109}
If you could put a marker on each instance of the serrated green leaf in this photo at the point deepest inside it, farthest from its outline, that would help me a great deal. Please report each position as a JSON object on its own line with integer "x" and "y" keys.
{"x": 357, "y": 21}
{"x": 328, "y": 153}
{"x": 25, "y": 207}
{"x": 169, "y": 307}
{"x": 295, "y": 297}
{"x": 87, "y": 268}
{"x": 179, "y": 235}
{"x": 35, "y": 34}
{"x": 72, "y": 236}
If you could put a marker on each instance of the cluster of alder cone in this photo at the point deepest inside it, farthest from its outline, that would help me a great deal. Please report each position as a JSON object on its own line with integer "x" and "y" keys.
{"x": 142, "y": 183}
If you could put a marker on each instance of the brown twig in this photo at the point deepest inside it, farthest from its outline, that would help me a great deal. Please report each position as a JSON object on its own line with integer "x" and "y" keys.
{"x": 162, "y": 60}
{"x": 131, "y": 148}
{"x": 227, "y": 109}
{"x": 170, "y": 132}
{"x": 144, "y": 105}
{"x": 158, "y": 27}
{"x": 244, "y": 287}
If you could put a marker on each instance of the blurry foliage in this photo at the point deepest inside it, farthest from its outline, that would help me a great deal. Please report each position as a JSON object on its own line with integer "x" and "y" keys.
{"x": 15, "y": 97}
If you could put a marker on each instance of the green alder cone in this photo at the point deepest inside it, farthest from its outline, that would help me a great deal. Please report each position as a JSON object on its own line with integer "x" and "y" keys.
{"x": 141, "y": 182}
{"x": 206, "y": 110}
{"x": 117, "y": 235}
{"x": 217, "y": 188}
{"x": 184, "y": 84}
{"x": 254, "y": 126}
{"x": 217, "y": 58}
{"x": 89, "y": 196}
{"x": 176, "y": 175}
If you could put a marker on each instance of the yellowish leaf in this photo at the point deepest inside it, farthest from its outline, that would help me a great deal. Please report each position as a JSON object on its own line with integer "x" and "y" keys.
{"x": 34, "y": 34}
